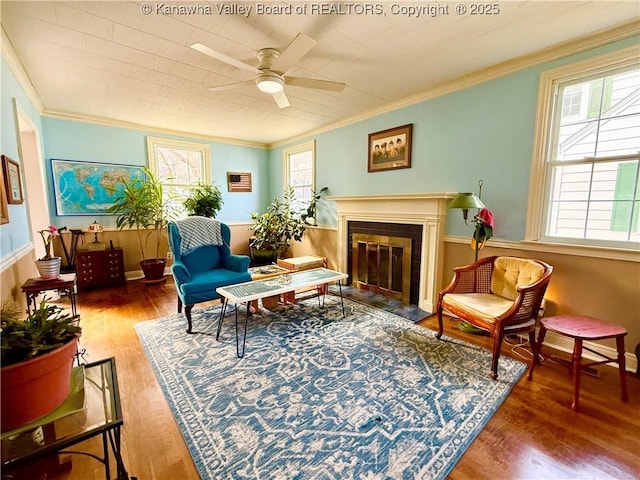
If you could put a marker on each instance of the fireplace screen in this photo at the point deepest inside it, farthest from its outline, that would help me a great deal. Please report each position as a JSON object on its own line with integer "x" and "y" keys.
{"x": 382, "y": 264}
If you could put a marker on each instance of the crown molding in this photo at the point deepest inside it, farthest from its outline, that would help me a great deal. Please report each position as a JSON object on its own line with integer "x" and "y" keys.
{"x": 555, "y": 52}
{"x": 9, "y": 55}
{"x": 147, "y": 128}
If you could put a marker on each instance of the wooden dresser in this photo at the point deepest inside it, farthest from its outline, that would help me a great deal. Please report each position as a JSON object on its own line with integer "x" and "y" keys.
{"x": 100, "y": 268}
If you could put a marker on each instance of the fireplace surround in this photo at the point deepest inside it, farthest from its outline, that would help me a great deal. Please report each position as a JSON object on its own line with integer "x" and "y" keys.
{"x": 428, "y": 210}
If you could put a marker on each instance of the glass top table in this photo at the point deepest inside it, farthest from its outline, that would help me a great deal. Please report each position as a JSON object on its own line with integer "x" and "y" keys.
{"x": 257, "y": 289}
{"x": 91, "y": 409}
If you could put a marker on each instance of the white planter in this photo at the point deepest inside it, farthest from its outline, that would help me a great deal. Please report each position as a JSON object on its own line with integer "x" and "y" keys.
{"x": 49, "y": 269}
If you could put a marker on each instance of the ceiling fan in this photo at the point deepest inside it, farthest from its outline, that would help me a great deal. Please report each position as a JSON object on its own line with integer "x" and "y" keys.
{"x": 271, "y": 70}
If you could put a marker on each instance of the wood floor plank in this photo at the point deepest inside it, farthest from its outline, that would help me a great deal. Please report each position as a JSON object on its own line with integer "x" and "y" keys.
{"x": 533, "y": 435}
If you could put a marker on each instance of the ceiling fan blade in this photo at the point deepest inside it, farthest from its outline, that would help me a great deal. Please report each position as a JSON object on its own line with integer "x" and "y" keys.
{"x": 229, "y": 86}
{"x": 297, "y": 49}
{"x": 314, "y": 83}
{"x": 281, "y": 99}
{"x": 224, "y": 58}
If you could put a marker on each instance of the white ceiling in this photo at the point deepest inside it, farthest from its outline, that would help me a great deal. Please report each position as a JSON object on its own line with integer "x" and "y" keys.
{"x": 107, "y": 59}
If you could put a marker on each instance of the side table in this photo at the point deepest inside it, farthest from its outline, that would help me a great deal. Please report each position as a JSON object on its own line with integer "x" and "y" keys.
{"x": 97, "y": 413}
{"x": 583, "y": 328}
{"x": 298, "y": 264}
{"x": 65, "y": 284}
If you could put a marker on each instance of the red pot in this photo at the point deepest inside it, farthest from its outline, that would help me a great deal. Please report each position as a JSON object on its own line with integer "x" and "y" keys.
{"x": 35, "y": 388}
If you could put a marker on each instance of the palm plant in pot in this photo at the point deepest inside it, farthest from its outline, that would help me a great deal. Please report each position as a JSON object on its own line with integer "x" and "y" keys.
{"x": 37, "y": 357}
{"x": 274, "y": 230}
{"x": 140, "y": 204}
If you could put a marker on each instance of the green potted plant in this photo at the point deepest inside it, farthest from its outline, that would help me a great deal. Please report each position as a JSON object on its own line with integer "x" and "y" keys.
{"x": 205, "y": 200}
{"x": 37, "y": 357}
{"x": 274, "y": 230}
{"x": 140, "y": 204}
{"x": 309, "y": 215}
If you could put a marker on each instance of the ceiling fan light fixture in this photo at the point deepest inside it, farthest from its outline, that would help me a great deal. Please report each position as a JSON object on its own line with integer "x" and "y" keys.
{"x": 270, "y": 83}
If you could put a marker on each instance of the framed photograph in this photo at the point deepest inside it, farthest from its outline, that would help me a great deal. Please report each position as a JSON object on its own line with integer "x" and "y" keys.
{"x": 4, "y": 209}
{"x": 12, "y": 181}
{"x": 88, "y": 188}
{"x": 390, "y": 149}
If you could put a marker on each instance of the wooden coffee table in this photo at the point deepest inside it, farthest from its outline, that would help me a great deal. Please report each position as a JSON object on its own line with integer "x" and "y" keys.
{"x": 245, "y": 293}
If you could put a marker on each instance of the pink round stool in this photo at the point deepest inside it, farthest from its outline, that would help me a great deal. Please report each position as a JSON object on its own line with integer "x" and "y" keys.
{"x": 582, "y": 328}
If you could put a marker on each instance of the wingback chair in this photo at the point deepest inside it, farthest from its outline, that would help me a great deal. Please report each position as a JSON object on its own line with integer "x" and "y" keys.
{"x": 501, "y": 295}
{"x": 203, "y": 261}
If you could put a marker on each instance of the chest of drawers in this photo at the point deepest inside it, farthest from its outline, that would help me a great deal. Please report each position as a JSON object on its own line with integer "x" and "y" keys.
{"x": 100, "y": 268}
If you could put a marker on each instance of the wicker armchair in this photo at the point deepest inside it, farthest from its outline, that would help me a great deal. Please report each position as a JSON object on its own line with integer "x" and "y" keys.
{"x": 501, "y": 295}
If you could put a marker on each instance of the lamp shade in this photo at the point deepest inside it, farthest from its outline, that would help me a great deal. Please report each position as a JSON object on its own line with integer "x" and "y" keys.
{"x": 95, "y": 227}
{"x": 466, "y": 200}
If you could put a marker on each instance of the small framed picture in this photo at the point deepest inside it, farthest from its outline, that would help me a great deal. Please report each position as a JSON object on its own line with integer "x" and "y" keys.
{"x": 390, "y": 149}
{"x": 4, "y": 210}
{"x": 12, "y": 180}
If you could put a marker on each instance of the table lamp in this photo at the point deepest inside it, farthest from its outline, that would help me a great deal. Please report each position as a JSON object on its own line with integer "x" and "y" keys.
{"x": 96, "y": 228}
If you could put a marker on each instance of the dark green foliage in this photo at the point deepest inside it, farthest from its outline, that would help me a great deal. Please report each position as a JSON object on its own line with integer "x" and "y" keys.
{"x": 44, "y": 330}
{"x": 278, "y": 226}
{"x": 141, "y": 204}
{"x": 205, "y": 200}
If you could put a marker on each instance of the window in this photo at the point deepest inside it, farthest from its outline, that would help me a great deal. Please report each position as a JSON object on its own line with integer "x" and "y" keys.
{"x": 585, "y": 186}
{"x": 299, "y": 172}
{"x": 179, "y": 165}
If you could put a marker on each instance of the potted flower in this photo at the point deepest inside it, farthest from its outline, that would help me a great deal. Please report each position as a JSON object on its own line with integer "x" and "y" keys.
{"x": 48, "y": 266}
{"x": 140, "y": 204}
{"x": 205, "y": 200}
{"x": 274, "y": 230}
{"x": 37, "y": 357}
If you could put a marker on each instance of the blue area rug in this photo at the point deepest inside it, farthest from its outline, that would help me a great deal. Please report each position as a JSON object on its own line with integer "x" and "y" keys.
{"x": 316, "y": 396}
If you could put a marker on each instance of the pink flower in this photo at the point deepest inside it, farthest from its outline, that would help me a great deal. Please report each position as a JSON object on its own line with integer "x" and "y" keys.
{"x": 47, "y": 237}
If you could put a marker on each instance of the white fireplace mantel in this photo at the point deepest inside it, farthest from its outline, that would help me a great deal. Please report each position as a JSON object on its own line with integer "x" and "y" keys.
{"x": 426, "y": 209}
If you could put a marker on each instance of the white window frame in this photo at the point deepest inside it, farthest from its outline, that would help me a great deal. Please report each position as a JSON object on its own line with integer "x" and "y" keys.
{"x": 539, "y": 182}
{"x": 288, "y": 152}
{"x": 204, "y": 151}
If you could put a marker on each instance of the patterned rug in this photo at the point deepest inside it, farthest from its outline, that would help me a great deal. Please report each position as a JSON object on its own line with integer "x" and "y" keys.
{"x": 316, "y": 396}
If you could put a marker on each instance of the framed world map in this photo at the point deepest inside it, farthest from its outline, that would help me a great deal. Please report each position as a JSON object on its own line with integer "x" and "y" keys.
{"x": 88, "y": 188}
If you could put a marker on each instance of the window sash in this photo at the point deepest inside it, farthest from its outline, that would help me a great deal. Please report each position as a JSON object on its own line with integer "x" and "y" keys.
{"x": 177, "y": 178}
{"x": 299, "y": 173}
{"x": 546, "y": 165}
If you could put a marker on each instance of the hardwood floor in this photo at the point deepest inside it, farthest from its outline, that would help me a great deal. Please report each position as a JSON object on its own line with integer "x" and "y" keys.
{"x": 533, "y": 435}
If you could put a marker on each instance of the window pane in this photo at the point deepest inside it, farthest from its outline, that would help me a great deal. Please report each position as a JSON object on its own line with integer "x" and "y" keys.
{"x": 619, "y": 136}
{"x": 300, "y": 177}
{"x": 595, "y": 201}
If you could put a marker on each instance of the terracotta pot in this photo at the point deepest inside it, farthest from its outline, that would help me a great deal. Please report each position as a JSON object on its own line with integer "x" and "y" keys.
{"x": 153, "y": 269}
{"x": 49, "y": 269}
{"x": 36, "y": 387}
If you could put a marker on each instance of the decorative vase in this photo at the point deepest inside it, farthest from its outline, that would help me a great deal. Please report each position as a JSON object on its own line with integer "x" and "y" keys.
{"x": 49, "y": 269}
{"x": 36, "y": 387}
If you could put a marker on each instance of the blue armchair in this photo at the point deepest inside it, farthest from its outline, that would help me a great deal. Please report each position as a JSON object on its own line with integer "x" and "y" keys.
{"x": 203, "y": 261}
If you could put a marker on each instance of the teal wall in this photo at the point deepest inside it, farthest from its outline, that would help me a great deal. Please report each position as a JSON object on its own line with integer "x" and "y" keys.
{"x": 75, "y": 140}
{"x": 482, "y": 132}
{"x": 15, "y": 234}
